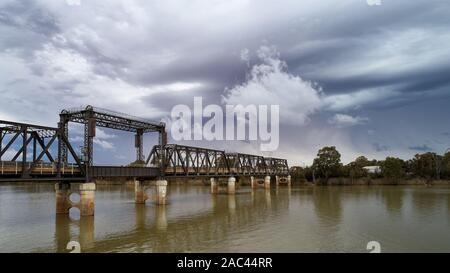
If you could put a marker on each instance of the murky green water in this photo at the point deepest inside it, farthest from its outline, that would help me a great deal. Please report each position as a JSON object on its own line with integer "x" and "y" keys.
{"x": 300, "y": 219}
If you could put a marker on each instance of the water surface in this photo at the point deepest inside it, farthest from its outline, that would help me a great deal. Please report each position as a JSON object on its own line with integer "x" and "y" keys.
{"x": 299, "y": 219}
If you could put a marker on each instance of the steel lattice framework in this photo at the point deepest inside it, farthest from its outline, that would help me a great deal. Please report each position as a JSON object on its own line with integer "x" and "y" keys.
{"x": 183, "y": 160}
{"x": 40, "y": 139}
{"x": 93, "y": 117}
{"x": 32, "y": 150}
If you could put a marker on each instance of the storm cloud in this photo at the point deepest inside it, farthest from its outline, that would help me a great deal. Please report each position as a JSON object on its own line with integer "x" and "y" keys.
{"x": 338, "y": 69}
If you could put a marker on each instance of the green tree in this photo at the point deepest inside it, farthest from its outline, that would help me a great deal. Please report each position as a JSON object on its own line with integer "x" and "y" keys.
{"x": 327, "y": 162}
{"x": 355, "y": 168}
{"x": 427, "y": 165}
{"x": 393, "y": 168}
{"x": 445, "y": 166}
{"x": 298, "y": 174}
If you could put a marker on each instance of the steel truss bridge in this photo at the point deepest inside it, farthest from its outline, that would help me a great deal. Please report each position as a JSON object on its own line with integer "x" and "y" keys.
{"x": 38, "y": 152}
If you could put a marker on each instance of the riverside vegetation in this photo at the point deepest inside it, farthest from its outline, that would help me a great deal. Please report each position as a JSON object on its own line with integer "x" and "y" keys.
{"x": 327, "y": 169}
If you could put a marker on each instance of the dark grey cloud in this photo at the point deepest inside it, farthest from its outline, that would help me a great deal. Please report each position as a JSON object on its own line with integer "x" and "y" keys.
{"x": 27, "y": 14}
{"x": 421, "y": 148}
{"x": 388, "y": 63}
{"x": 379, "y": 147}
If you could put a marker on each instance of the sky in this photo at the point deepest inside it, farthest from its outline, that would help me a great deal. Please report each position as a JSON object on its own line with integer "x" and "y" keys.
{"x": 370, "y": 79}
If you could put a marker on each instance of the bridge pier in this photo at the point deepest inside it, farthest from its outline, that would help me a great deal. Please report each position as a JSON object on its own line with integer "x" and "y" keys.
{"x": 283, "y": 180}
{"x": 214, "y": 186}
{"x": 62, "y": 198}
{"x": 253, "y": 182}
{"x": 161, "y": 192}
{"x": 267, "y": 182}
{"x": 140, "y": 195}
{"x": 86, "y": 204}
{"x": 139, "y": 192}
{"x": 232, "y": 185}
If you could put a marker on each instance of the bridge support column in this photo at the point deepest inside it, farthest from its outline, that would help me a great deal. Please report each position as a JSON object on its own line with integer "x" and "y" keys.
{"x": 285, "y": 180}
{"x": 161, "y": 192}
{"x": 87, "y": 198}
{"x": 63, "y": 203}
{"x": 139, "y": 192}
{"x": 267, "y": 182}
{"x": 253, "y": 182}
{"x": 214, "y": 186}
{"x": 231, "y": 185}
{"x": 86, "y": 204}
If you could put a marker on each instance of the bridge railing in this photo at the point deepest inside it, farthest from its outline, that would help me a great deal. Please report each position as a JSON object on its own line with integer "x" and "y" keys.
{"x": 41, "y": 168}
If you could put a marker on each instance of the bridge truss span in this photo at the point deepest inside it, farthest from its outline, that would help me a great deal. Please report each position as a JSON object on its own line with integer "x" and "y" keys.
{"x": 41, "y": 152}
{"x": 185, "y": 161}
{"x": 33, "y": 154}
{"x": 180, "y": 160}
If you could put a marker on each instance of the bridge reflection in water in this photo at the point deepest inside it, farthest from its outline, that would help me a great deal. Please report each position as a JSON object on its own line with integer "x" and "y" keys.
{"x": 157, "y": 229}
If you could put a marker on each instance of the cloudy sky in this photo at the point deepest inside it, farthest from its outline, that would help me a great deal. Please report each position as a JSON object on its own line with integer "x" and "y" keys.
{"x": 372, "y": 80}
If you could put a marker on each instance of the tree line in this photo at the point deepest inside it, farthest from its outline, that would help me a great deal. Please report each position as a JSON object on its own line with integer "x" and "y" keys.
{"x": 327, "y": 164}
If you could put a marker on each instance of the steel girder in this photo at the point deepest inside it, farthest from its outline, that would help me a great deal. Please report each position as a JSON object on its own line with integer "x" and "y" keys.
{"x": 35, "y": 136}
{"x": 183, "y": 160}
{"x": 110, "y": 119}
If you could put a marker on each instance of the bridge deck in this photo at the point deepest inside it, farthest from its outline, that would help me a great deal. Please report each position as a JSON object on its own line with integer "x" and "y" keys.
{"x": 12, "y": 171}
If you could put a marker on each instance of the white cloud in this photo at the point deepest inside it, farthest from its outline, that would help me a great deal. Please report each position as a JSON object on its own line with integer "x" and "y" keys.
{"x": 342, "y": 120}
{"x": 355, "y": 100}
{"x": 105, "y": 145}
{"x": 245, "y": 56}
{"x": 73, "y": 2}
{"x": 269, "y": 83}
{"x": 78, "y": 139}
{"x": 101, "y": 134}
{"x": 58, "y": 78}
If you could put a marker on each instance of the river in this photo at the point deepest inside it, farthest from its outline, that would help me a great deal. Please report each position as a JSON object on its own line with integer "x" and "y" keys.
{"x": 296, "y": 219}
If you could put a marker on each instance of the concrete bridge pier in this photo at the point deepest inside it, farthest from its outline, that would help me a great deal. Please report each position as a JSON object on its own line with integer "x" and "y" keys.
{"x": 62, "y": 191}
{"x": 253, "y": 182}
{"x": 161, "y": 192}
{"x": 231, "y": 185}
{"x": 140, "y": 194}
{"x": 87, "y": 199}
{"x": 267, "y": 182}
{"x": 214, "y": 186}
{"x": 283, "y": 180}
{"x": 86, "y": 204}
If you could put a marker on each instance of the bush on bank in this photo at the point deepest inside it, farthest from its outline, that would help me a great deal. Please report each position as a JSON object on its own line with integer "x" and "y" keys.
{"x": 327, "y": 169}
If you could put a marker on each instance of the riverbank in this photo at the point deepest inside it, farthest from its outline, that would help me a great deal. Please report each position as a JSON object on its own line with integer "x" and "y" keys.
{"x": 340, "y": 181}
{"x": 345, "y": 181}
